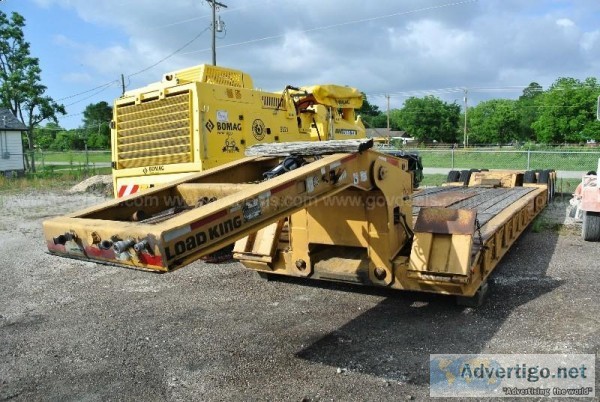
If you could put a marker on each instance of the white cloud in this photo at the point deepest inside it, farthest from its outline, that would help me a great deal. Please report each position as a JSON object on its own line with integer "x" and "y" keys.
{"x": 430, "y": 42}
{"x": 491, "y": 43}
{"x": 565, "y": 23}
{"x": 590, "y": 42}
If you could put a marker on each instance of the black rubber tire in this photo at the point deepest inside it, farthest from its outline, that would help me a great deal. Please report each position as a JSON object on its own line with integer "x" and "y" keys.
{"x": 475, "y": 301}
{"x": 453, "y": 176}
{"x": 552, "y": 185}
{"x": 465, "y": 176}
{"x": 590, "y": 228}
{"x": 544, "y": 176}
{"x": 553, "y": 181}
{"x": 529, "y": 177}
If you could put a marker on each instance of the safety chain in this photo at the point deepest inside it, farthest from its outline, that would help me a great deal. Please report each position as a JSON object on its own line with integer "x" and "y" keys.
{"x": 478, "y": 228}
{"x": 481, "y": 246}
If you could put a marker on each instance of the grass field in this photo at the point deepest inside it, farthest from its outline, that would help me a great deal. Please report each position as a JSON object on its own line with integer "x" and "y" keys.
{"x": 75, "y": 157}
{"x": 566, "y": 186}
{"x": 571, "y": 161}
{"x": 581, "y": 159}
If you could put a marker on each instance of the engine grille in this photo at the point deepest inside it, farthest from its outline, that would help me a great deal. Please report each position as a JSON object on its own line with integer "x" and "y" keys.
{"x": 154, "y": 132}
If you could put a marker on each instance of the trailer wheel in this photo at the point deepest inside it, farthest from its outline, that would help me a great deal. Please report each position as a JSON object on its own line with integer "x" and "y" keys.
{"x": 551, "y": 186}
{"x": 474, "y": 301}
{"x": 465, "y": 176}
{"x": 544, "y": 176}
{"x": 453, "y": 176}
{"x": 529, "y": 177}
{"x": 590, "y": 228}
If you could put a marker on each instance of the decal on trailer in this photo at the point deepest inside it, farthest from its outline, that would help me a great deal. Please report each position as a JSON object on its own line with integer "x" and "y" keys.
{"x": 196, "y": 238}
{"x": 127, "y": 190}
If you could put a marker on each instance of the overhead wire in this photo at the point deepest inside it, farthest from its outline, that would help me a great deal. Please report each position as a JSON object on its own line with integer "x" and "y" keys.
{"x": 106, "y": 85}
{"x": 104, "y": 88}
{"x": 401, "y": 13}
{"x": 205, "y": 16}
{"x": 87, "y": 91}
{"x": 261, "y": 39}
{"x": 170, "y": 55}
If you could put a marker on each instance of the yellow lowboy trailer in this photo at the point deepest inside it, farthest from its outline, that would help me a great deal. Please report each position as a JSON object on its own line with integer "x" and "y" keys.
{"x": 348, "y": 216}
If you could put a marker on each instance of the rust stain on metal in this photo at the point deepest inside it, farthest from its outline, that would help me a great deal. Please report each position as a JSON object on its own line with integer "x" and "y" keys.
{"x": 443, "y": 199}
{"x": 445, "y": 221}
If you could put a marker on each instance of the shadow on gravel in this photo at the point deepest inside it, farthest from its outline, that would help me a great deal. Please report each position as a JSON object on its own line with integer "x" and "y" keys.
{"x": 394, "y": 339}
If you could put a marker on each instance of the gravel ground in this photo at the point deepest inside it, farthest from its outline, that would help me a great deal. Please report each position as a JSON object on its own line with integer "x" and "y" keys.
{"x": 73, "y": 330}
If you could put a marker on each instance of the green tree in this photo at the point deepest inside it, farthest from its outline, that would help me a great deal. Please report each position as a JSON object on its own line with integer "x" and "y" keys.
{"x": 67, "y": 140}
{"x": 96, "y": 125}
{"x": 96, "y": 114}
{"x": 21, "y": 90}
{"x": 368, "y": 109}
{"x": 371, "y": 115}
{"x": 568, "y": 111}
{"x": 428, "y": 119}
{"x": 379, "y": 121}
{"x": 528, "y": 111}
{"x": 494, "y": 121}
{"x": 46, "y": 135}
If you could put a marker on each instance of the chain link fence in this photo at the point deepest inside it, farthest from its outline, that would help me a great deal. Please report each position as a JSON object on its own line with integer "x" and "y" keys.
{"x": 451, "y": 159}
{"x": 49, "y": 162}
{"x": 457, "y": 159}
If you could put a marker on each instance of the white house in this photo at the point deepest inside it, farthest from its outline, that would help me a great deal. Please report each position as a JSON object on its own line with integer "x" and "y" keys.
{"x": 382, "y": 134}
{"x": 11, "y": 146}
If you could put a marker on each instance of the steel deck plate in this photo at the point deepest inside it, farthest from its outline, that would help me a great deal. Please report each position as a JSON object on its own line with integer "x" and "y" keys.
{"x": 488, "y": 202}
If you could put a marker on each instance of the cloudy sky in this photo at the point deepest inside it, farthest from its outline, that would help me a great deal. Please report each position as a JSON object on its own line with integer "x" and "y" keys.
{"x": 493, "y": 48}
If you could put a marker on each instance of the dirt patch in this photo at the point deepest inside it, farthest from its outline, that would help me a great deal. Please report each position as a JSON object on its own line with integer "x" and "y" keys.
{"x": 99, "y": 184}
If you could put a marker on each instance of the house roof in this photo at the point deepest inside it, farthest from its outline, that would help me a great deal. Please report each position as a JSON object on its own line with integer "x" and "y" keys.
{"x": 384, "y": 132}
{"x": 8, "y": 121}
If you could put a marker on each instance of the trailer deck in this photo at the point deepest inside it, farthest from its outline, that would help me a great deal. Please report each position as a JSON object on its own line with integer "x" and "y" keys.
{"x": 487, "y": 202}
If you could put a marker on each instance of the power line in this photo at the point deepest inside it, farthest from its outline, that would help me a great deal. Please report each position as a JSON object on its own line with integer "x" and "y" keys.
{"x": 204, "y": 16}
{"x": 341, "y": 24}
{"x": 444, "y": 91}
{"x": 170, "y": 55}
{"x": 108, "y": 84}
{"x": 87, "y": 91}
{"x": 68, "y": 116}
{"x": 104, "y": 88}
{"x": 417, "y": 92}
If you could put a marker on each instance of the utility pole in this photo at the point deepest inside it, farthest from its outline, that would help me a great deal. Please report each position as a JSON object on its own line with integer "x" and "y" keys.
{"x": 465, "y": 125}
{"x": 214, "y": 4}
{"x": 123, "y": 84}
{"x": 388, "y": 119}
